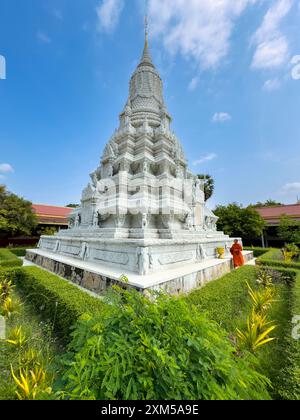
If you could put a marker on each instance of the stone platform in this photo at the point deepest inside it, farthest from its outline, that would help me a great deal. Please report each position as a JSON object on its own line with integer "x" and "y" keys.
{"x": 98, "y": 278}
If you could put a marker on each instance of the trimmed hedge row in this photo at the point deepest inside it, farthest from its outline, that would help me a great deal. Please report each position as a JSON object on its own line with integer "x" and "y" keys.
{"x": 57, "y": 301}
{"x": 273, "y": 258}
{"x": 8, "y": 259}
{"x": 20, "y": 252}
{"x": 226, "y": 300}
{"x": 257, "y": 251}
{"x": 289, "y": 377}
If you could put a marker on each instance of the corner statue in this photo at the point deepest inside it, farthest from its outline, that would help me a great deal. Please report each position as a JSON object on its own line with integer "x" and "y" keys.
{"x": 236, "y": 252}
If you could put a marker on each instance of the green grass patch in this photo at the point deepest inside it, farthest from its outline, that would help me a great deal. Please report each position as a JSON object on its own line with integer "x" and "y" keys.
{"x": 8, "y": 259}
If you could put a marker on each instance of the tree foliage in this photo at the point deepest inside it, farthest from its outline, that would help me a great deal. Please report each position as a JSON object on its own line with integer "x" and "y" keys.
{"x": 73, "y": 206}
{"x": 235, "y": 220}
{"x": 162, "y": 350}
{"x": 209, "y": 185}
{"x": 289, "y": 230}
{"x": 16, "y": 215}
{"x": 268, "y": 203}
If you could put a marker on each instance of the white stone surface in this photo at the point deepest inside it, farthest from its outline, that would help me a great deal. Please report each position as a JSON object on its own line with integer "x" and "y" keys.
{"x": 186, "y": 273}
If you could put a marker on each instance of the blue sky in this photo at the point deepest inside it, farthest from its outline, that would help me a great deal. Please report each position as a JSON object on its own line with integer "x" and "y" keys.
{"x": 231, "y": 79}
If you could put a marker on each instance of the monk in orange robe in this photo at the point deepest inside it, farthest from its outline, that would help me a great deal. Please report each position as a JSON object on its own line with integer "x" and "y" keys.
{"x": 236, "y": 252}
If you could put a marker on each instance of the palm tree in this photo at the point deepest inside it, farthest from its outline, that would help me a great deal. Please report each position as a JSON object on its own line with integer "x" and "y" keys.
{"x": 209, "y": 185}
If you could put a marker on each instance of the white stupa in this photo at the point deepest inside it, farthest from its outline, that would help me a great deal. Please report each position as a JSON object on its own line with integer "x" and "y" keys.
{"x": 143, "y": 214}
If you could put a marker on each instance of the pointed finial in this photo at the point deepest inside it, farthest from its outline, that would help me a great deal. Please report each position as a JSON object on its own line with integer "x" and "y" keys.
{"x": 146, "y": 29}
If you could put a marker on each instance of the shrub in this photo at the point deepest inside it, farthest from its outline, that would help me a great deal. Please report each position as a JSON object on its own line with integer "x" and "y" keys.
{"x": 8, "y": 259}
{"x": 274, "y": 258}
{"x": 256, "y": 333}
{"x": 257, "y": 251}
{"x": 162, "y": 350}
{"x": 20, "y": 252}
{"x": 58, "y": 301}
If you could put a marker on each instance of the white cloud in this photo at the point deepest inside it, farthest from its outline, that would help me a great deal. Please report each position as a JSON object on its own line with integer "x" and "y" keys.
{"x": 271, "y": 85}
{"x": 203, "y": 159}
{"x": 272, "y": 46}
{"x": 6, "y": 168}
{"x": 220, "y": 117}
{"x": 43, "y": 38}
{"x": 109, "y": 12}
{"x": 198, "y": 29}
{"x": 293, "y": 187}
{"x": 194, "y": 84}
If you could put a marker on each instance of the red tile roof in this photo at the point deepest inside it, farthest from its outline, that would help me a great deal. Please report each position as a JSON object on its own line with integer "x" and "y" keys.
{"x": 52, "y": 214}
{"x": 272, "y": 214}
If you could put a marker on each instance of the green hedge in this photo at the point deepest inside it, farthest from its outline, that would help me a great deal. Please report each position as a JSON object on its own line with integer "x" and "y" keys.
{"x": 57, "y": 301}
{"x": 226, "y": 300}
{"x": 289, "y": 377}
{"x": 257, "y": 251}
{"x": 20, "y": 252}
{"x": 274, "y": 258}
{"x": 8, "y": 259}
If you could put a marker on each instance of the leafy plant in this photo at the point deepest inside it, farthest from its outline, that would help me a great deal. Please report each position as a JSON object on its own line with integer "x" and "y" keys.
{"x": 262, "y": 299}
{"x": 290, "y": 252}
{"x": 17, "y": 337}
{"x": 10, "y": 306}
{"x": 29, "y": 358}
{"x": 264, "y": 278}
{"x": 162, "y": 349}
{"x": 256, "y": 333}
{"x": 6, "y": 288}
{"x": 31, "y": 384}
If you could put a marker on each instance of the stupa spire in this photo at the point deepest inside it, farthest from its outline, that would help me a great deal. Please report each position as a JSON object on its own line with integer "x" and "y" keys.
{"x": 146, "y": 31}
{"x": 146, "y": 57}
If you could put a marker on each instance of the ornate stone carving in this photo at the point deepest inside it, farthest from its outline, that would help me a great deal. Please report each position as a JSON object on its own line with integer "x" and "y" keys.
{"x": 189, "y": 222}
{"x": 77, "y": 220}
{"x": 120, "y": 220}
{"x": 111, "y": 257}
{"x": 201, "y": 254}
{"x": 175, "y": 258}
{"x": 111, "y": 150}
{"x": 96, "y": 219}
{"x": 145, "y": 218}
{"x": 144, "y": 261}
{"x": 84, "y": 252}
{"x": 56, "y": 247}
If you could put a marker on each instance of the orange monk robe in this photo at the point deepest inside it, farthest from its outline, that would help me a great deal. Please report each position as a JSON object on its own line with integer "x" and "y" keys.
{"x": 238, "y": 258}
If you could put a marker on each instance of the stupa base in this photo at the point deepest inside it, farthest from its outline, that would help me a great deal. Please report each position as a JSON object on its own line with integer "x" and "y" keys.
{"x": 99, "y": 277}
